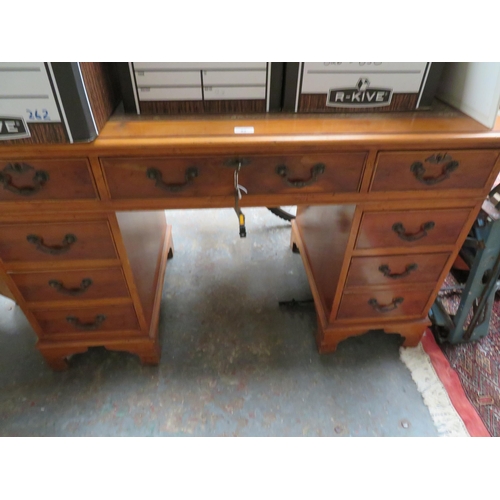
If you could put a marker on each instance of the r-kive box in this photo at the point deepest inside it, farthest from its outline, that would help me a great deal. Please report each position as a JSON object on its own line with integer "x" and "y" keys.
{"x": 174, "y": 88}
{"x": 347, "y": 87}
{"x": 42, "y": 102}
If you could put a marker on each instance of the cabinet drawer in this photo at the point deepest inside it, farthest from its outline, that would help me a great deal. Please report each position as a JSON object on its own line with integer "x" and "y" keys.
{"x": 131, "y": 178}
{"x": 411, "y": 228}
{"x": 433, "y": 170}
{"x": 46, "y": 180}
{"x": 53, "y": 242}
{"x": 57, "y": 286}
{"x": 325, "y": 173}
{"x": 174, "y": 177}
{"x": 87, "y": 321}
{"x": 400, "y": 269}
{"x": 382, "y": 304}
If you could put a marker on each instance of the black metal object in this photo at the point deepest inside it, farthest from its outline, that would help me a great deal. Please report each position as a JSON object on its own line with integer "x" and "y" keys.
{"x": 418, "y": 169}
{"x": 395, "y": 303}
{"x": 154, "y": 174}
{"x": 40, "y": 177}
{"x": 68, "y": 240}
{"x": 281, "y": 213}
{"x": 386, "y": 271}
{"x": 400, "y": 230}
{"x": 316, "y": 171}
{"x": 99, "y": 320}
{"x": 59, "y": 286}
{"x": 237, "y": 163}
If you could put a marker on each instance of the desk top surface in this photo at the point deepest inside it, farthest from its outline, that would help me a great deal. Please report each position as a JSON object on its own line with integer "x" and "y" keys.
{"x": 126, "y": 133}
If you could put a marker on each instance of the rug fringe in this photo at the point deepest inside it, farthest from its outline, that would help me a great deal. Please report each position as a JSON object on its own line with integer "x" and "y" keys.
{"x": 445, "y": 417}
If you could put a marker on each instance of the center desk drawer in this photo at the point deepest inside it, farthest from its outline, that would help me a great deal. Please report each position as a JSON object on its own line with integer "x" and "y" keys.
{"x": 433, "y": 170}
{"x": 134, "y": 178}
{"x": 411, "y": 228}
{"x": 46, "y": 180}
{"x": 332, "y": 173}
{"x": 57, "y": 286}
{"x": 187, "y": 177}
{"x": 53, "y": 242}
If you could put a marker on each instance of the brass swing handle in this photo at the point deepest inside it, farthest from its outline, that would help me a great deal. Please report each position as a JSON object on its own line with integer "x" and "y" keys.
{"x": 400, "y": 230}
{"x": 418, "y": 170}
{"x": 68, "y": 240}
{"x": 390, "y": 307}
{"x": 154, "y": 174}
{"x": 316, "y": 171}
{"x": 99, "y": 319}
{"x": 386, "y": 271}
{"x": 59, "y": 286}
{"x": 39, "y": 179}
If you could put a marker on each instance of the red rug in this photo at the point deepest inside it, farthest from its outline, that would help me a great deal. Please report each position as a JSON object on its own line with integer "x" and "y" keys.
{"x": 476, "y": 366}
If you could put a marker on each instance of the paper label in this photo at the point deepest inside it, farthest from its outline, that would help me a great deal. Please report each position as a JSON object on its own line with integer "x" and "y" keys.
{"x": 243, "y": 130}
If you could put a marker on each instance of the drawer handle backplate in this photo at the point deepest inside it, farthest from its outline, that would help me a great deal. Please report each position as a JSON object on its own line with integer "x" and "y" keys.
{"x": 386, "y": 271}
{"x": 59, "y": 286}
{"x": 68, "y": 240}
{"x": 418, "y": 169}
{"x": 316, "y": 171}
{"x": 154, "y": 174}
{"x": 400, "y": 230}
{"x": 99, "y": 319}
{"x": 389, "y": 307}
{"x": 39, "y": 179}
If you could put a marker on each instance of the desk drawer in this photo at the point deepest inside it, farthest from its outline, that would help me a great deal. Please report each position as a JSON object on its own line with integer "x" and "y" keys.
{"x": 133, "y": 178}
{"x": 411, "y": 228}
{"x": 185, "y": 177}
{"x": 54, "y": 242}
{"x": 315, "y": 173}
{"x": 57, "y": 286}
{"x": 87, "y": 321}
{"x": 399, "y": 269}
{"x": 46, "y": 180}
{"x": 433, "y": 170}
{"x": 383, "y": 304}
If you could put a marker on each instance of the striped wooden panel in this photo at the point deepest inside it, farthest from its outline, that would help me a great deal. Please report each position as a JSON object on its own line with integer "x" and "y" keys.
{"x": 53, "y": 133}
{"x": 236, "y": 106}
{"x": 171, "y": 107}
{"x": 100, "y": 86}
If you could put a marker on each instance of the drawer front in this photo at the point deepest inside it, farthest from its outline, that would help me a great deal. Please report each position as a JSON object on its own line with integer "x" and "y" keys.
{"x": 46, "y": 180}
{"x": 167, "y": 177}
{"x": 399, "y": 269}
{"x": 381, "y": 304}
{"x": 87, "y": 321}
{"x": 164, "y": 177}
{"x": 433, "y": 170}
{"x": 411, "y": 228}
{"x": 57, "y": 286}
{"x": 325, "y": 173}
{"x": 53, "y": 242}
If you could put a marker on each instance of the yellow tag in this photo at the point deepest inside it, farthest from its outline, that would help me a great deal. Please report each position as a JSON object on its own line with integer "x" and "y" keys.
{"x": 242, "y": 220}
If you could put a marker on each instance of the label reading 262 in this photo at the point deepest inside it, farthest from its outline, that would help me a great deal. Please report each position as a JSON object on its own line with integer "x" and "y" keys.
{"x": 38, "y": 114}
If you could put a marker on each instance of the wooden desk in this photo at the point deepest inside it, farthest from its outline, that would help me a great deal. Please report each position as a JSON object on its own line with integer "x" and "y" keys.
{"x": 385, "y": 202}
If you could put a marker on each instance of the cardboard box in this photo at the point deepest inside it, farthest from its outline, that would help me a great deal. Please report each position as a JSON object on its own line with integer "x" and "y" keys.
{"x": 200, "y": 87}
{"x": 350, "y": 87}
{"x": 55, "y": 102}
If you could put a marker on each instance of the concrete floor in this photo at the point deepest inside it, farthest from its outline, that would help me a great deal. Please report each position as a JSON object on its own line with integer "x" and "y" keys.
{"x": 233, "y": 362}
